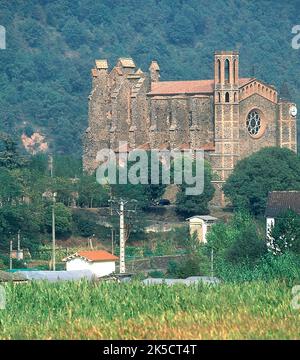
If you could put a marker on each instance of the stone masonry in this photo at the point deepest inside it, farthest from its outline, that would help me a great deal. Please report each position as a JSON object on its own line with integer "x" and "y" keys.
{"x": 228, "y": 117}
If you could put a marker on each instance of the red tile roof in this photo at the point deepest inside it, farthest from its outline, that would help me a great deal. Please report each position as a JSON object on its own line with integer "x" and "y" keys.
{"x": 97, "y": 255}
{"x": 187, "y": 87}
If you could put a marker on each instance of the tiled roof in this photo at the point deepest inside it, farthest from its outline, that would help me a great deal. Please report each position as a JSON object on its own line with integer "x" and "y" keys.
{"x": 93, "y": 255}
{"x": 280, "y": 201}
{"x": 98, "y": 255}
{"x": 187, "y": 87}
{"x": 101, "y": 64}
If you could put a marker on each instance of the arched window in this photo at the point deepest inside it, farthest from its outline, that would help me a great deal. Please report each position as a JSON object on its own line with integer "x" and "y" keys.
{"x": 234, "y": 71}
{"x": 235, "y": 97}
{"x": 219, "y": 71}
{"x": 219, "y": 97}
{"x": 227, "y": 70}
{"x": 227, "y": 97}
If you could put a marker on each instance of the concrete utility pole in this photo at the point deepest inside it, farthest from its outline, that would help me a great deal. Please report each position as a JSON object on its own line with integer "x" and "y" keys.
{"x": 51, "y": 165}
{"x": 122, "y": 239}
{"x": 53, "y": 232}
{"x": 112, "y": 240}
{"x": 121, "y": 213}
{"x": 212, "y": 262}
{"x": 19, "y": 246}
{"x": 10, "y": 254}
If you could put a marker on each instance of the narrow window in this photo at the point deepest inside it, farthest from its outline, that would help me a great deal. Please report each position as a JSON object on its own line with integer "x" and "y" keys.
{"x": 227, "y": 97}
{"x": 234, "y": 71}
{"x": 219, "y": 97}
{"x": 227, "y": 70}
{"x": 235, "y": 97}
{"x": 170, "y": 118}
{"x": 219, "y": 71}
{"x": 190, "y": 118}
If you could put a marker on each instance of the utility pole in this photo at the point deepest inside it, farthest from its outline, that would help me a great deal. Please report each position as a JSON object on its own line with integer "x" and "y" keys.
{"x": 212, "y": 262}
{"x": 10, "y": 254}
{"x": 19, "y": 246}
{"x": 51, "y": 165}
{"x": 121, "y": 213}
{"x": 112, "y": 240}
{"x": 53, "y": 231}
{"x": 122, "y": 239}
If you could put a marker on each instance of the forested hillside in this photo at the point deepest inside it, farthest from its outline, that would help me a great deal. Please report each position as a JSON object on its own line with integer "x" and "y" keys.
{"x": 52, "y": 44}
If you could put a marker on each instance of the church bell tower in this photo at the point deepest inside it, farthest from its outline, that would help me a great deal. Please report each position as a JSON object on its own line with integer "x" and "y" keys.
{"x": 226, "y": 115}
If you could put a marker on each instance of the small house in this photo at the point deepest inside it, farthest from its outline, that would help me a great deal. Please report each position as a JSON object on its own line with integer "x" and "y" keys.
{"x": 200, "y": 225}
{"x": 279, "y": 202}
{"x": 99, "y": 262}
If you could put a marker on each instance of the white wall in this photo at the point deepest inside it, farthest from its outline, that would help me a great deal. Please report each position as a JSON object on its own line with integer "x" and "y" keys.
{"x": 98, "y": 268}
{"x": 270, "y": 222}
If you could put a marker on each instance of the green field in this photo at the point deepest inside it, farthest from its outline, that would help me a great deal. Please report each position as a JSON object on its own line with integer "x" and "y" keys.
{"x": 83, "y": 310}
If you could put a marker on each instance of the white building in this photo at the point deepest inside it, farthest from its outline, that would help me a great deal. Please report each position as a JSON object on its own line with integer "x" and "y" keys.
{"x": 200, "y": 224}
{"x": 99, "y": 262}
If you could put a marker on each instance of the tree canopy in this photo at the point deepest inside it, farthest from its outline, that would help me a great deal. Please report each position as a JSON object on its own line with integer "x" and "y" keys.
{"x": 267, "y": 170}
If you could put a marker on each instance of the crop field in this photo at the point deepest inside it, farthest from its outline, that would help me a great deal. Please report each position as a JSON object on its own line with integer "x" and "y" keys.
{"x": 108, "y": 310}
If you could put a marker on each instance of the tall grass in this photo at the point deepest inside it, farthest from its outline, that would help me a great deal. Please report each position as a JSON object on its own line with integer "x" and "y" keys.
{"x": 285, "y": 267}
{"x": 109, "y": 310}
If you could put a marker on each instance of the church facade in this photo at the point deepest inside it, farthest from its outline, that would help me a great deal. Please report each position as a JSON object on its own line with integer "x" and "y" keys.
{"x": 228, "y": 117}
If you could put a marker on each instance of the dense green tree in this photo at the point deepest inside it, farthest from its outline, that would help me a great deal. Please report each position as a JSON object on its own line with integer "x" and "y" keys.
{"x": 63, "y": 219}
{"x": 10, "y": 157}
{"x": 266, "y": 170}
{"x": 91, "y": 193}
{"x": 189, "y": 205}
{"x": 10, "y": 189}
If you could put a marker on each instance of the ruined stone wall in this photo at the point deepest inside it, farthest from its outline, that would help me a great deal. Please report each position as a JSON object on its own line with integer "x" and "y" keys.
{"x": 201, "y": 114}
{"x": 96, "y": 136}
{"x": 139, "y": 131}
{"x": 160, "y": 111}
{"x": 181, "y": 120}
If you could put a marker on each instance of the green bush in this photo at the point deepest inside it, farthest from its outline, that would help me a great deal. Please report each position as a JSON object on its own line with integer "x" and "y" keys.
{"x": 156, "y": 274}
{"x": 237, "y": 241}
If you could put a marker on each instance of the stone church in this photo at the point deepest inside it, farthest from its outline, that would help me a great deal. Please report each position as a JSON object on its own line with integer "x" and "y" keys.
{"x": 228, "y": 117}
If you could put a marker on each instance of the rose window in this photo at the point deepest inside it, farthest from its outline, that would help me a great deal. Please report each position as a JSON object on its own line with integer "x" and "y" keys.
{"x": 253, "y": 123}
